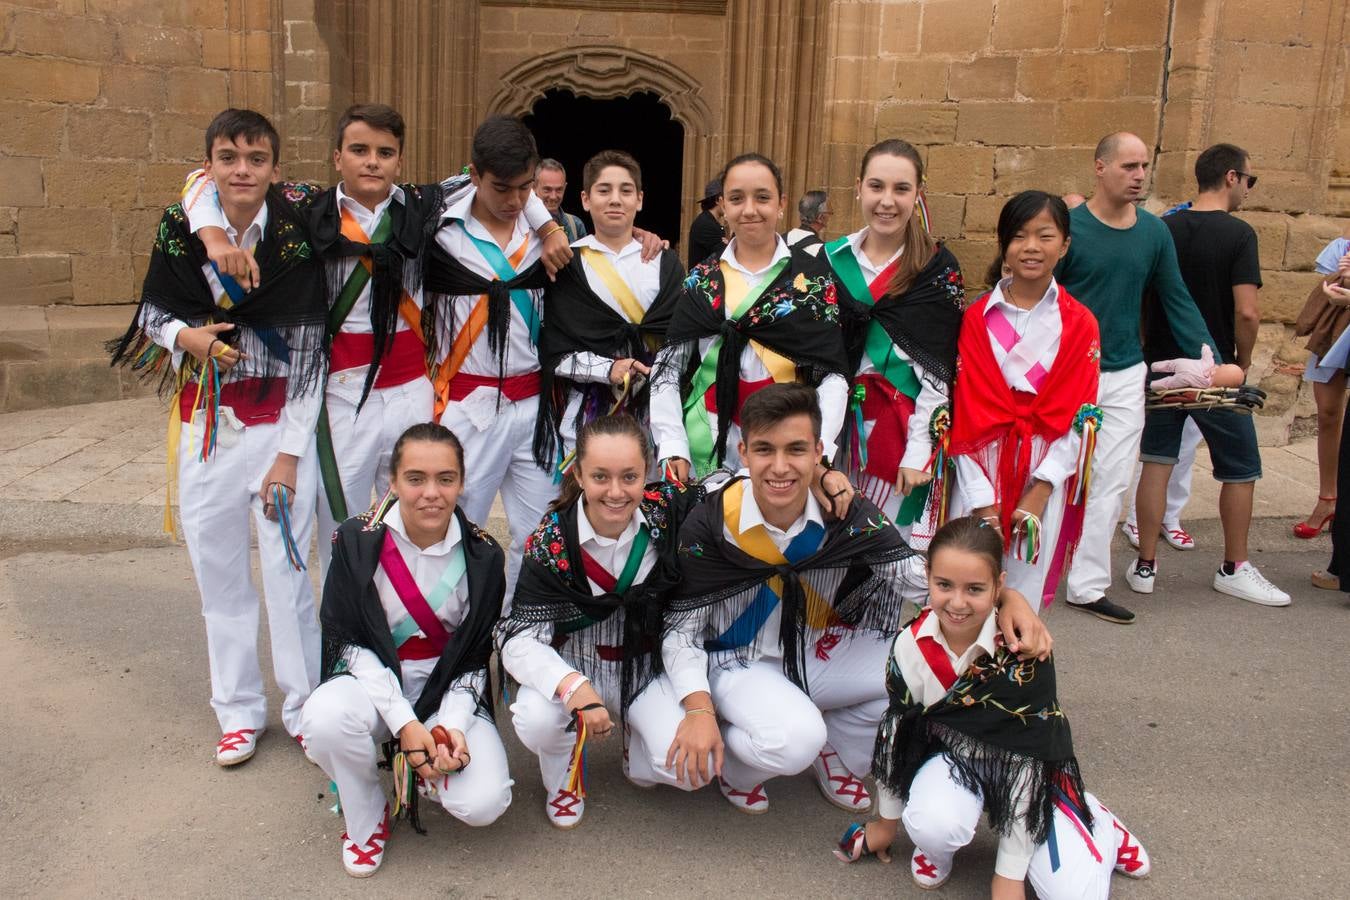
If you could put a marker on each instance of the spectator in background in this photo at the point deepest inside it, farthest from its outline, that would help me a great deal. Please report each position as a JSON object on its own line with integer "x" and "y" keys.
{"x": 550, "y": 185}
{"x": 707, "y": 234}
{"x": 813, "y": 212}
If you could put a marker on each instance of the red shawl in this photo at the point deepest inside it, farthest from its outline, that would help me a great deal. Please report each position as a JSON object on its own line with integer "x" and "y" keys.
{"x": 986, "y": 410}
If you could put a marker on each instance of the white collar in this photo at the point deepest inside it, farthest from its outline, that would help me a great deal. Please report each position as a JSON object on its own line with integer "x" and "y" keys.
{"x": 585, "y": 532}
{"x": 855, "y": 244}
{"x": 393, "y": 520}
{"x": 751, "y": 516}
{"x": 985, "y": 641}
{"x": 344, "y": 199}
{"x": 258, "y": 225}
{"x": 1049, "y": 300}
{"x": 780, "y": 251}
{"x": 591, "y": 242}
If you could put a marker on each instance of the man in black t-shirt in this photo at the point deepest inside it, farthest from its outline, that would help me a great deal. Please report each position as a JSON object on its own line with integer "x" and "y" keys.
{"x": 1218, "y": 258}
{"x": 706, "y": 234}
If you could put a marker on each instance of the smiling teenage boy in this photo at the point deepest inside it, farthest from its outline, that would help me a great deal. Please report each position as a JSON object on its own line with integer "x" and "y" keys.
{"x": 245, "y": 369}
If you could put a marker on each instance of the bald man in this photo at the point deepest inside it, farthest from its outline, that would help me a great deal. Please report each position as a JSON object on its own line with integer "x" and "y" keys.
{"x": 1117, "y": 252}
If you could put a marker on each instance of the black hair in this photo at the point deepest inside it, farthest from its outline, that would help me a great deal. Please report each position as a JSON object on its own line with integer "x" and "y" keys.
{"x": 1212, "y": 165}
{"x": 426, "y": 431}
{"x": 767, "y": 407}
{"x": 377, "y": 116}
{"x": 503, "y": 146}
{"x": 970, "y": 534}
{"x": 233, "y": 124}
{"x": 1022, "y": 208}
{"x": 759, "y": 158}
{"x": 619, "y": 425}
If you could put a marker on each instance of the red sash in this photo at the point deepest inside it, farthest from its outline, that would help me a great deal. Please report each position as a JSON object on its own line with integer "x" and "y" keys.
{"x": 744, "y": 390}
{"x": 403, "y": 358}
{"x": 255, "y": 401}
{"x": 514, "y": 387}
{"x": 933, "y": 654}
{"x": 396, "y": 570}
{"x": 888, "y": 410}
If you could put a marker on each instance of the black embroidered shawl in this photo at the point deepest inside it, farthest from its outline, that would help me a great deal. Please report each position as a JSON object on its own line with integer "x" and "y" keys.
{"x": 796, "y": 316}
{"x": 553, "y": 590}
{"x": 575, "y": 321}
{"x": 1000, "y": 724}
{"x": 352, "y": 616}
{"x": 278, "y": 325}
{"x": 857, "y": 571}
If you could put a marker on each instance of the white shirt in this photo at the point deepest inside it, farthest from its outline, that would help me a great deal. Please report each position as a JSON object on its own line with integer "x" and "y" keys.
{"x": 1061, "y": 458}
{"x": 529, "y": 656}
{"x": 932, "y": 390}
{"x": 1014, "y": 850}
{"x": 642, "y": 278}
{"x": 667, "y": 412}
{"x": 686, "y": 661}
{"x": 300, "y": 414}
{"x": 393, "y": 701}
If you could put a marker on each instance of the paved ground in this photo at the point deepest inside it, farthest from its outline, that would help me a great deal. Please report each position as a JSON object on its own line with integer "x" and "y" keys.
{"x": 1215, "y": 728}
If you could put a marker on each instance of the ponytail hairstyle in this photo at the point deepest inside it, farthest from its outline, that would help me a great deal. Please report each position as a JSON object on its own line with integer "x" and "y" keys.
{"x": 919, "y": 244}
{"x": 620, "y": 424}
{"x": 970, "y": 534}
{"x": 426, "y": 431}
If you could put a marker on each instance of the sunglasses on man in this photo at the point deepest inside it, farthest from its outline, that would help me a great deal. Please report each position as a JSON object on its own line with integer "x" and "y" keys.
{"x": 1251, "y": 179}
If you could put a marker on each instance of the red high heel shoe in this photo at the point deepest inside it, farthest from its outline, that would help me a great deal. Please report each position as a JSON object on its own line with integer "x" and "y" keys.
{"x": 1306, "y": 531}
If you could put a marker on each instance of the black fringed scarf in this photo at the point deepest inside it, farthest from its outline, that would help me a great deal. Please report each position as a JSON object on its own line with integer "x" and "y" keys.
{"x": 856, "y": 571}
{"x": 576, "y": 321}
{"x": 278, "y": 325}
{"x": 554, "y": 590}
{"x": 1000, "y": 725}
{"x": 396, "y": 263}
{"x": 352, "y": 615}
{"x": 796, "y": 316}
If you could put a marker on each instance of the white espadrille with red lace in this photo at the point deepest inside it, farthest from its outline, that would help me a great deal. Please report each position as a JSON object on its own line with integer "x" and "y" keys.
{"x": 362, "y": 861}
{"x": 1132, "y": 859}
{"x": 235, "y": 747}
{"x": 753, "y": 801}
{"x": 564, "y": 809}
{"x": 837, "y": 784}
{"x": 926, "y": 873}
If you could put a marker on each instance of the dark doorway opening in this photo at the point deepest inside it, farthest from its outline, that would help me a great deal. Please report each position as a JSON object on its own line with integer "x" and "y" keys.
{"x": 572, "y": 129}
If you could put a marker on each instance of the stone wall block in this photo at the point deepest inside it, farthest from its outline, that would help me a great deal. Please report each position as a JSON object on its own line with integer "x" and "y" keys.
{"x": 46, "y": 79}
{"x": 1146, "y": 72}
{"x": 76, "y": 37}
{"x": 1056, "y": 169}
{"x": 982, "y": 214}
{"x": 182, "y": 13}
{"x": 1085, "y": 122}
{"x": 1282, "y": 295}
{"x": 158, "y": 45}
{"x": 109, "y": 134}
{"x": 1102, "y": 74}
{"x": 74, "y": 182}
{"x": 1083, "y": 20}
{"x": 104, "y": 279}
{"x": 974, "y": 256}
{"x": 79, "y": 333}
{"x": 1025, "y": 25}
{"x": 197, "y": 90}
{"x": 65, "y": 231}
{"x": 899, "y": 31}
{"x": 31, "y": 129}
{"x": 180, "y": 137}
{"x": 247, "y": 51}
{"x": 133, "y": 87}
{"x": 36, "y": 385}
{"x": 916, "y": 79}
{"x": 21, "y": 182}
{"x": 984, "y": 78}
{"x": 1138, "y": 23}
{"x": 34, "y": 281}
{"x": 1278, "y": 74}
{"x": 1029, "y": 123}
{"x": 956, "y": 26}
{"x": 960, "y": 168}
{"x": 24, "y": 337}
{"x": 160, "y": 183}
{"x": 134, "y": 229}
{"x": 918, "y": 123}
{"x": 1308, "y": 235}
{"x": 946, "y": 214}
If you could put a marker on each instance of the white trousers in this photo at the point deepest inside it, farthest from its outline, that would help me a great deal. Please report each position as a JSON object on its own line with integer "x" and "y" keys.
{"x": 652, "y": 719}
{"x": 499, "y": 458}
{"x": 942, "y": 816}
{"x": 1033, "y": 579}
{"x": 774, "y": 728}
{"x": 1121, "y": 397}
{"x": 342, "y": 728}
{"x": 216, "y": 500}
{"x": 363, "y": 445}
{"x": 1178, "y": 484}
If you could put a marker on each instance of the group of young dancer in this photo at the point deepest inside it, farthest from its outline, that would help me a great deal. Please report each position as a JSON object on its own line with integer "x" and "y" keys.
{"x": 723, "y": 488}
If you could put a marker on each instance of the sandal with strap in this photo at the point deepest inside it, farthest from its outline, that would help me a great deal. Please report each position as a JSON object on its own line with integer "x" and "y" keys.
{"x": 1308, "y": 532}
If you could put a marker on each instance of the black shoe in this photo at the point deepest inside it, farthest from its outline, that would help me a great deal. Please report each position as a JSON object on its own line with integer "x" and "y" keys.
{"x": 1105, "y": 609}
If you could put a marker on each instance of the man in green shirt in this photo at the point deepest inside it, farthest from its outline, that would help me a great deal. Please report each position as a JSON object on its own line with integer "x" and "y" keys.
{"x": 1118, "y": 251}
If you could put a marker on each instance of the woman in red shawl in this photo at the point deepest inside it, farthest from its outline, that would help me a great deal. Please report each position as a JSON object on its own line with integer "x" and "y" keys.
{"x": 1024, "y": 415}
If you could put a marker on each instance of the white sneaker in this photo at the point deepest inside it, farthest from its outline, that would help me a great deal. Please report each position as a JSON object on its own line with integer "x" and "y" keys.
{"x": 1131, "y": 532}
{"x": 1250, "y": 584}
{"x": 1139, "y": 576}
{"x": 1176, "y": 536}
{"x": 235, "y": 747}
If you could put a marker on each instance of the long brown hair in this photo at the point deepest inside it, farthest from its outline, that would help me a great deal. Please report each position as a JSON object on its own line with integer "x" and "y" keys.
{"x": 619, "y": 424}
{"x": 919, "y": 244}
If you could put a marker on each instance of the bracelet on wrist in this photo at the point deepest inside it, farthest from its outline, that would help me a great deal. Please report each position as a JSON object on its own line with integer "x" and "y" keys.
{"x": 700, "y": 709}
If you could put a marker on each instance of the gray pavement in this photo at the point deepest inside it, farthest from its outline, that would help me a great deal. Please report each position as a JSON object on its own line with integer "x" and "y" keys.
{"x": 1215, "y": 728}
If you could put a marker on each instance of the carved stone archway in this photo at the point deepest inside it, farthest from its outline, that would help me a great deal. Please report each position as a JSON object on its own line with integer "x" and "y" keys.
{"x": 606, "y": 72}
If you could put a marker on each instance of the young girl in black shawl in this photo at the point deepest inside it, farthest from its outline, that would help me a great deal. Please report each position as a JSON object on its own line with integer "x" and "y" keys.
{"x": 586, "y": 619}
{"x": 412, "y": 595}
{"x": 972, "y": 728}
{"x": 901, "y": 295}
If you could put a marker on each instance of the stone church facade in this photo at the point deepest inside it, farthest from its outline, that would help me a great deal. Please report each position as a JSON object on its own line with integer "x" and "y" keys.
{"x": 103, "y": 103}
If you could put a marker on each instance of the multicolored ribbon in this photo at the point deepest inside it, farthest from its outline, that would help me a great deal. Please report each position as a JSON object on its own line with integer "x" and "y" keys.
{"x": 281, "y": 500}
